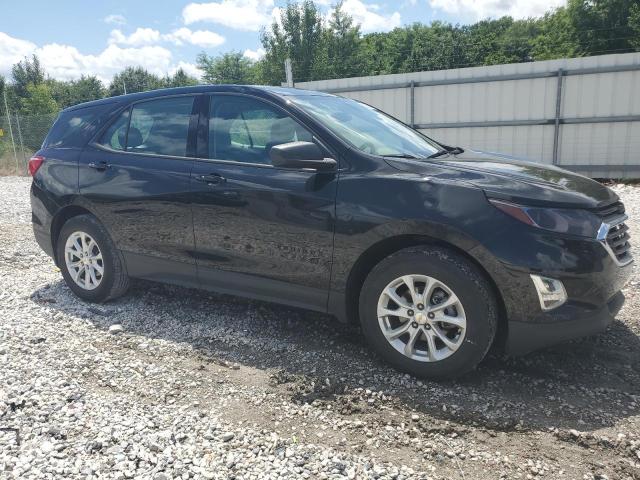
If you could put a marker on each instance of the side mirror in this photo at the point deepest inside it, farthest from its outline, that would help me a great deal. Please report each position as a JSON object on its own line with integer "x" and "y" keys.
{"x": 300, "y": 155}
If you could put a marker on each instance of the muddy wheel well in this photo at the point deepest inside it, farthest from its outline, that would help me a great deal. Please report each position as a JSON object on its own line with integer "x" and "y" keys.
{"x": 371, "y": 257}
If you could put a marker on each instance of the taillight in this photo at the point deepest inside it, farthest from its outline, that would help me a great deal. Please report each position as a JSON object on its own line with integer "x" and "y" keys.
{"x": 34, "y": 164}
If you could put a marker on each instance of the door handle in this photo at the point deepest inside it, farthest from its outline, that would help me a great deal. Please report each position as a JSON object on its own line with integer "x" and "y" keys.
{"x": 100, "y": 166}
{"x": 212, "y": 179}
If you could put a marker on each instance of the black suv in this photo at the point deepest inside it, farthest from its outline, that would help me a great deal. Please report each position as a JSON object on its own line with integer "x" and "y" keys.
{"x": 325, "y": 203}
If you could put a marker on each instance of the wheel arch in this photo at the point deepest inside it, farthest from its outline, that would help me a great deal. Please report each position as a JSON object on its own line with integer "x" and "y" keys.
{"x": 382, "y": 249}
{"x": 59, "y": 219}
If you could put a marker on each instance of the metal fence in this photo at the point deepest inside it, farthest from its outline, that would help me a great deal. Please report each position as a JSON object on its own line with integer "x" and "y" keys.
{"x": 20, "y": 137}
{"x": 581, "y": 114}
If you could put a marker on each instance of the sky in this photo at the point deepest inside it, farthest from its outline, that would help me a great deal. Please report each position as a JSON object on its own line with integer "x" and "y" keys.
{"x": 101, "y": 38}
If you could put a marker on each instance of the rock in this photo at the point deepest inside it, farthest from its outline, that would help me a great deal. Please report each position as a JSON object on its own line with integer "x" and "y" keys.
{"x": 116, "y": 328}
{"x": 226, "y": 437}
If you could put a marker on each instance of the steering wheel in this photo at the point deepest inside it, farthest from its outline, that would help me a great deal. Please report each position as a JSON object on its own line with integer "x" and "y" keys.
{"x": 368, "y": 147}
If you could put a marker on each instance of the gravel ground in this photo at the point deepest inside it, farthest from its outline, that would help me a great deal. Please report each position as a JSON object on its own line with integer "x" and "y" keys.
{"x": 171, "y": 383}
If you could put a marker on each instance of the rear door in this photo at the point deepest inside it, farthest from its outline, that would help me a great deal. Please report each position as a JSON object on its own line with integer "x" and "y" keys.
{"x": 136, "y": 179}
{"x": 261, "y": 231}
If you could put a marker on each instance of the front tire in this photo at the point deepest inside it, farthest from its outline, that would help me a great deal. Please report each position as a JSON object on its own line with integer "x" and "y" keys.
{"x": 429, "y": 312}
{"x": 90, "y": 263}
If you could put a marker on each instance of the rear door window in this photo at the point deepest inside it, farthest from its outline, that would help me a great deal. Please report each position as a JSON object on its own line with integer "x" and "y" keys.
{"x": 115, "y": 137}
{"x": 158, "y": 127}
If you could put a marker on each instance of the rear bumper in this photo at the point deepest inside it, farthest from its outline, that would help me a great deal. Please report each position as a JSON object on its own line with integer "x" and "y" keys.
{"x": 524, "y": 337}
{"x": 41, "y": 218}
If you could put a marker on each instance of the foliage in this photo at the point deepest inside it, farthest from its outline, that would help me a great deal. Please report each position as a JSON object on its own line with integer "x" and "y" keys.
{"x": 133, "y": 80}
{"x": 230, "y": 68}
{"x": 38, "y": 100}
{"x": 70, "y": 93}
{"x": 299, "y": 36}
{"x": 27, "y": 72}
{"x": 180, "y": 79}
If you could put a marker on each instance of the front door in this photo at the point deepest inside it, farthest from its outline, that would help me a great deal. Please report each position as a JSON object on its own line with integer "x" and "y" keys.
{"x": 261, "y": 231}
{"x": 136, "y": 179}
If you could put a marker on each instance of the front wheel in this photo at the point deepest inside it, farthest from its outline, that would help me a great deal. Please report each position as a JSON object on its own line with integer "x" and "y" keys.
{"x": 428, "y": 312}
{"x": 91, "y": 265}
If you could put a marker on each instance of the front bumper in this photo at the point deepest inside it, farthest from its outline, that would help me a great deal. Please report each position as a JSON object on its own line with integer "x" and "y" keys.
{"x": 575, "y": 322}
{"x": 591, "y": 277}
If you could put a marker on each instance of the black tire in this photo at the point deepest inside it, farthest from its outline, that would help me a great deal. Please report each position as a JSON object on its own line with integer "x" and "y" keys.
{"x": 461, "y": 276}
{"x": 114, "y": 282}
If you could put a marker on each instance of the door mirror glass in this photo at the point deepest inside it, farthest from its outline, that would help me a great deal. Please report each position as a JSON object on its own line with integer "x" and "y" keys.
{"x": 300, "y": 155}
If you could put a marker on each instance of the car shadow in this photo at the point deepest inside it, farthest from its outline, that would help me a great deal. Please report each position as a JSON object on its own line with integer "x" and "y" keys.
{"x": 586, "y": 384}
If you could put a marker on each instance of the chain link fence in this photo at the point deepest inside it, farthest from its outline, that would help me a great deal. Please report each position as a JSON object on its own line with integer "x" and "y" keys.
{"x": 20, "y": 137}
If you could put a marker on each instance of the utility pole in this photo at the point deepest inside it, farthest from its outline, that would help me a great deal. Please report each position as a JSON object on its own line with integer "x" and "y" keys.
{"x": 124, "y": 86}
{"x": 13, "y": 143}
{"x": 288, "y": 72}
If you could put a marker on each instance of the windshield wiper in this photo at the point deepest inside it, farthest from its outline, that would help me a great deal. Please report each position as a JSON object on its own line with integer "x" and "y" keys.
{"x": 447, "y": 150}
{"x": 403, "y": 155}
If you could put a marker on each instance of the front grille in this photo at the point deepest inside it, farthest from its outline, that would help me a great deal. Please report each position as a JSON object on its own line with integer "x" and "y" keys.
{"x": 614, "y": 232}
{"x": 610, "y": 212}
{"x": 618, "y": 241}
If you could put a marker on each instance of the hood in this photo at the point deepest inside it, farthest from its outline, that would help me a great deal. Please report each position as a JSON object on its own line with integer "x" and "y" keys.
{"x": 514, "y": 180}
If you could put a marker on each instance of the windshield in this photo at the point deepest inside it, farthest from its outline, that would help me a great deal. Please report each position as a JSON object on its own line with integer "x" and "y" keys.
{"x": 366, "y": 128}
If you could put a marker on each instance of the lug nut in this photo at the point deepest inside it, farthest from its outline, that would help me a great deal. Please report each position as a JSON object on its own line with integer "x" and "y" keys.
{"x": 410, "y": 313}
{"x": 427, "y": 326}
{"x": 414, "y": 324}
{"x": 420, "y": 306}
{"x": 431, "y": 315}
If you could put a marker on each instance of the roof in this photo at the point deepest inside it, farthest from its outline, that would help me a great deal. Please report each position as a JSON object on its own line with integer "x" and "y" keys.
{"x": 269, "y": 90}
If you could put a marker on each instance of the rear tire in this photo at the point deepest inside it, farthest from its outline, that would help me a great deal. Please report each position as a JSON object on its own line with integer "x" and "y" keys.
{"x": 412, "y": 332}
{"x": 91, "y": 265}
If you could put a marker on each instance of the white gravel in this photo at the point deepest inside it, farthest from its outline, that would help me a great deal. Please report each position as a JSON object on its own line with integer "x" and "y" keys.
{"x": 170, "y": 383}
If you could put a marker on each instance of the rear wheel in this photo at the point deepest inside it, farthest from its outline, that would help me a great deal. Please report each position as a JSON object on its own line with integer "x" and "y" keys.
{"x": 90, "y": 263}
{"x": 428, "y": 312}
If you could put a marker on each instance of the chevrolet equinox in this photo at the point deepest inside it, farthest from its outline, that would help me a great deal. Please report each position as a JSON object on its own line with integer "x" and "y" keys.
{"x": 324, "y": 203}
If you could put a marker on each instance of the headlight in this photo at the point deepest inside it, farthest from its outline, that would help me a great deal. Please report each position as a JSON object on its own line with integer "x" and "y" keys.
{"x": 561, "y": 220}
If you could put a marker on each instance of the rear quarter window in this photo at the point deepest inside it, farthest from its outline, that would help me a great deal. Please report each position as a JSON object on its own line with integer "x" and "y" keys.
{"x": 76, "y": 127}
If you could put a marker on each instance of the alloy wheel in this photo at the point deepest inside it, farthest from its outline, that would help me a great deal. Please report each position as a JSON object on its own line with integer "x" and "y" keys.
{"x": 83, "y": 259}
{"x": 422, "y": 318}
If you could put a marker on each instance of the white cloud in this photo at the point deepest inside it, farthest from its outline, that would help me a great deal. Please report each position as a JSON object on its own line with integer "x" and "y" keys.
{"x": 369, "y": 18}
{"x": 480, "y": 9}
{"x": 189, "y": 69}
{"x": 142, "y": 36}
{"x": 254, "y": 54}
{"x": 12, "y": 50}
{"x": 65, "y": 62}
{"x": 237, "y": 14}
{"x": 115, "y": 19}
{"x": 201, "y": 38}
{"x": 149, "y": 36}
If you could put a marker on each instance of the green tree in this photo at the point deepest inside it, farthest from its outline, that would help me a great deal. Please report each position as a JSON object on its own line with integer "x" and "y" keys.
{"x": 73, "y": 92}
{"x": 27, "y": 72}
{"x": 299, "y": 36}
{"x": 133, "y": 80}
{"x": 339, "y": 55}
{"x": 38, "y": 101}
{"x": 556, "y": 37}
{"x": 603, "y": 26}
{"x": 229, "y": 68}
{"x": 634, "y": 24}
{"x": 180, "y": 79}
